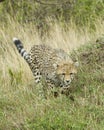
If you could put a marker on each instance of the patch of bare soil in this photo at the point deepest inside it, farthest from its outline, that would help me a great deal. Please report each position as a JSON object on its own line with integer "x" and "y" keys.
{"x": 91, "y": 56}
{"x": 91, "y": 69}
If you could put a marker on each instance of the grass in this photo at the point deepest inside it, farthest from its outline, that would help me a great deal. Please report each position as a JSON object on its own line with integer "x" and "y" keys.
{"x": 21, "y": 107}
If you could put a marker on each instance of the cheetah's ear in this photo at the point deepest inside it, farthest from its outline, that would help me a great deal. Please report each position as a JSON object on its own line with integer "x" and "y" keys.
{"x": 55, "y": 65}
{"x": 76, "y": 63}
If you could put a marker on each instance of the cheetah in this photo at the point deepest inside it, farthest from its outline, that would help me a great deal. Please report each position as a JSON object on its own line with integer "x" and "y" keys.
{"x": 53, "y": 65}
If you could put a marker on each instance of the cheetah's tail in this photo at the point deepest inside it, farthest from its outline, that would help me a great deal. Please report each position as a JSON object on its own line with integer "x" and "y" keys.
{"x": 21, "y": 49}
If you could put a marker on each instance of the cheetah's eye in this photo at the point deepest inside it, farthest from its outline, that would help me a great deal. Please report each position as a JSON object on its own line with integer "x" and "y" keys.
{"x": 63, "y": 74}
{"x": 71, "y": 73}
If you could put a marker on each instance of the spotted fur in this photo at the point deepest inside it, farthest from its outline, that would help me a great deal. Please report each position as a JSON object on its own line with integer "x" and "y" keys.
{"x": 53, "y": 65}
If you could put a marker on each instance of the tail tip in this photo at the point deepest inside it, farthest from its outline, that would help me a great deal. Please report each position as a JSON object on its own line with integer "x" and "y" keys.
{"x": 15, "y": 39}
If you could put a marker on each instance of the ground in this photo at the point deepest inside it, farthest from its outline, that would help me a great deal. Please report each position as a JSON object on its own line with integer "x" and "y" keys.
{"x": 81, "y": 109}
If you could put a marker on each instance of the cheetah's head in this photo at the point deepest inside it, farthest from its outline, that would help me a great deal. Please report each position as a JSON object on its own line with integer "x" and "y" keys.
{"x": 66, "y": 71}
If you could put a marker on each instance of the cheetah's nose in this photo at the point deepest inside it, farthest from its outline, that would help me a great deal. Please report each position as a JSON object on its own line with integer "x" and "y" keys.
{"x": 68, "y": 81}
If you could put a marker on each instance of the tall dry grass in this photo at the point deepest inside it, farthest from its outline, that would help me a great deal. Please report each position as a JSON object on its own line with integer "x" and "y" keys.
{"x": 18, "y": 98}
{"x": 67, "y": 40}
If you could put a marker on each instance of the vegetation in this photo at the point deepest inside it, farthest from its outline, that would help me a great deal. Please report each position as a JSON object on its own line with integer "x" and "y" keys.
{"x": 42, "y": 13}
{"x": 21, "y": 105}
